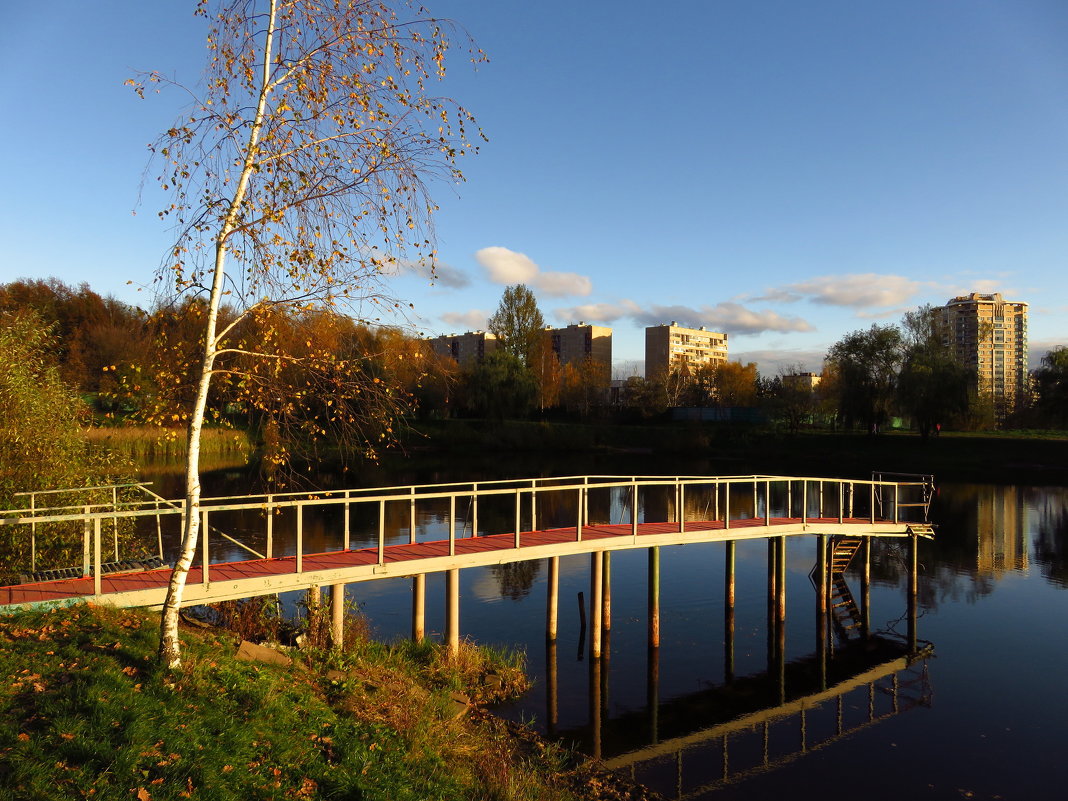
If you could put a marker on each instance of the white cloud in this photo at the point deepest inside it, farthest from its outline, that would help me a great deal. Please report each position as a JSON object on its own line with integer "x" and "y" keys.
{"x": 859, "y": 290}
{"x": 728, "y": 317}
{"x": 436, "y": 272}
{"x": 598, "y": 312}
{"x": 508, "y": 267}
{"x": 473, "y": 320}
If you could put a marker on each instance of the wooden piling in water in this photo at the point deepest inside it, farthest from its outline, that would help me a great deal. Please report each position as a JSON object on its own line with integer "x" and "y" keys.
{"x": 728, "y": 612}
{"x": 552, "y": 599}
{"x": 654, "y": 597}
{"x": 821, "y": 609}
{"x": 596, "y": 609}
{"x": 606, "y": 592}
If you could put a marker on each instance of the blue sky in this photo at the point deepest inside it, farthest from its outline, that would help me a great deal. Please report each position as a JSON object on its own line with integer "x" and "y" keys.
{"x": 785, "y": 172}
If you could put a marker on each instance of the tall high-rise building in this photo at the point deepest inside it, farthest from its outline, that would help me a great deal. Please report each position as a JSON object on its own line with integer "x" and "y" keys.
{"x": 989, "y": 335}
{"x": 672, "y": 347}
{"x": 578, "y": 342}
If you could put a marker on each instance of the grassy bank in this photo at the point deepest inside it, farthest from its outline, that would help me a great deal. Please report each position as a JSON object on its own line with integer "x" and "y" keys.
{"x": 86, "y": 713}
{"x": 144, "y": 444}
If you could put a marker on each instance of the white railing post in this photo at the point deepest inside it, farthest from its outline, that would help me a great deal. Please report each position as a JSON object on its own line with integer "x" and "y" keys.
{"x": 715, "y": 499}
{"x": 33, "y": 533}
{"x": 578, "y": 516}
{"x": 634, "y": 509}
{"x": 345, "y": 534}
{"x": 767, "y": 503}
{"x": 87, "y": 544}
{"x": 474, "y": 510}
{"x": 682, "y": 506}
{"x": 533, "y": 505}
{"x": 840, "y": 502}
{"x": 96, "y": 557}
{"x": 115, "y": 519}
{"x": 789, "y": 498}
{"x": 897, "y": 492}
{"x": 411, "y": 517}
{"x": 381, "y": 531}
{"x": 872, "y": 501}
{"x": 518, "y": 501}
{"x": 804, "y": 501}
{"x": 270, "y": 529}
{"x": 159, "y": 531}
{"x": 204, "y": 532}
{"x": 821, "y": 500}
{"x": 727, "y": 505}
{"x": 300, "y": 538}
{"x": 586, "y": 501}
{"x": 452, "y": 525}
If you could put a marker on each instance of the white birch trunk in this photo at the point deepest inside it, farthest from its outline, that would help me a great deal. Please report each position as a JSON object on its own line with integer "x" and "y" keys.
{"x": 170, "y": 645}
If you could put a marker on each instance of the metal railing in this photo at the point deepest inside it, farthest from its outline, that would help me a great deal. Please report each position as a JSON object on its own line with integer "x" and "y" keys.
{"x": 725, "y": 500}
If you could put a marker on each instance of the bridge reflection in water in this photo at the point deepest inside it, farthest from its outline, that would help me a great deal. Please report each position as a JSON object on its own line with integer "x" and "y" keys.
{"x": 752, "y": 729}
{"x": 690, "y": 746}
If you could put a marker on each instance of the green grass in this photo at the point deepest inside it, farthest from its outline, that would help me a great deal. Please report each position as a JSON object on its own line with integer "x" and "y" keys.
{"x": 87, "y": 713}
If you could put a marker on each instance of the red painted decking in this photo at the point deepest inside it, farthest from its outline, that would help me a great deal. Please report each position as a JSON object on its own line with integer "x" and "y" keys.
{"x": 66, "y": 589}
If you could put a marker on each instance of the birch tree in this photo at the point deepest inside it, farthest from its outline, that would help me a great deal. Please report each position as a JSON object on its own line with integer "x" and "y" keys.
{"x": 298, "y": 179}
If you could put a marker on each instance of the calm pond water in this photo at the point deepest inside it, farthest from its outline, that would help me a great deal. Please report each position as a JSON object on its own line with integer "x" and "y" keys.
{"x": 984, "y": 714}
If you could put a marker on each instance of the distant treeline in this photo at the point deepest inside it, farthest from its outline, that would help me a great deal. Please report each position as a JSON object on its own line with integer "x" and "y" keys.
{"x": 297, "y": 372}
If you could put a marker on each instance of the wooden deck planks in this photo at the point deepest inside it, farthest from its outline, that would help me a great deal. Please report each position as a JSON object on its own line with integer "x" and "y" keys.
{"x": 64, "y": 589}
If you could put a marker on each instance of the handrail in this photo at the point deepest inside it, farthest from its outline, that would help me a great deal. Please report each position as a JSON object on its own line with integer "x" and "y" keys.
{"x": 405, "y": 492}
{"x": 630, "y": 489}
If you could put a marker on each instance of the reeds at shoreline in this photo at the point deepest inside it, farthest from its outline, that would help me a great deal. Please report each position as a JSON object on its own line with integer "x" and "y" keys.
{"x": 153, "y": 445}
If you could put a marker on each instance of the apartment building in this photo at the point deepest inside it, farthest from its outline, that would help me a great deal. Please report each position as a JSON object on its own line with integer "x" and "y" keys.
{"x": 468, "y": 348}
{"x": 989, "y": 334}
{"x": 673, "y": 347}
{"x": 580, "y": 341}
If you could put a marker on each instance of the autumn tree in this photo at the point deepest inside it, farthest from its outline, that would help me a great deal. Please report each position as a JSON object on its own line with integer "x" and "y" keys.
{"x": 518, "y": 323}
{"x": 548, "y": 374}
{"x": 298, "y": 177}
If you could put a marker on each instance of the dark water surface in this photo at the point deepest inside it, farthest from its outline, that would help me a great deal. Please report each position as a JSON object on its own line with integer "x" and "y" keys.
{"x": 983, "y": 715}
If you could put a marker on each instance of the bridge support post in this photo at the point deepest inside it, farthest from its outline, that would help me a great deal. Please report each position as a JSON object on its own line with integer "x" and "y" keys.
{"x": 652, "y": 694}
{"x": 337, "y": 615}
{"x": 552, "y": 599}
{"x": 596, "y": 608}
{"x": 728, "y": 613}
{"x": 596, "y": 718}
{"x": 821, "y": 609}
{"x": 772, "y": 600}
{"x": 452, "y": 615}
{"x": 780, "y": 619}
{"x": 865, "y": 591}
{"x": 654, "y": 597}
{"x": 419, "y": 607}
{"x": 552, "y": 685}
{"x": 606, "y": 594}
{"x": 913, "y": 589}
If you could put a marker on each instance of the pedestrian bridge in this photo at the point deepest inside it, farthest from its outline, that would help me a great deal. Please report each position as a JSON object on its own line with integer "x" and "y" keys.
{"x": 534, "y": 518}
